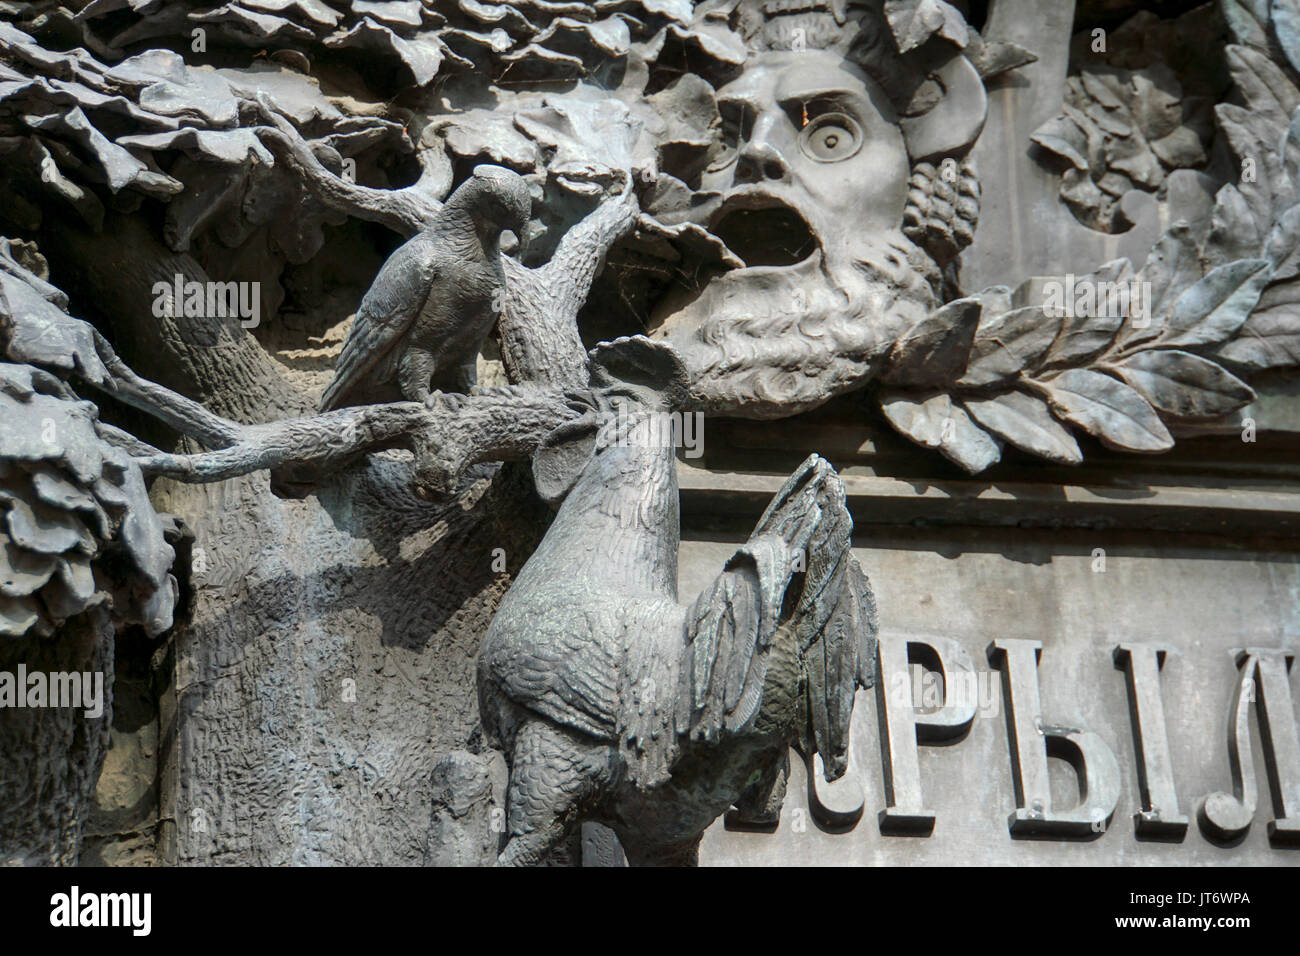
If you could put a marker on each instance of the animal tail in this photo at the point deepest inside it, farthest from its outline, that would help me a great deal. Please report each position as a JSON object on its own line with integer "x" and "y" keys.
{"x": 834, "y": 617}
{"x": 795, "y": 584}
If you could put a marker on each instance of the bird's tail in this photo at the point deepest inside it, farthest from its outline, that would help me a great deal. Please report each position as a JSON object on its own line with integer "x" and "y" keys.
{"x": 330, "y": 400}
{"x": 831, "y": 610}
{"x": 794, "y": 589}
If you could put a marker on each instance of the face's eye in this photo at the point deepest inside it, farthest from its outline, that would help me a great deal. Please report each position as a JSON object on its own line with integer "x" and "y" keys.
{"x": 831, "y": 137}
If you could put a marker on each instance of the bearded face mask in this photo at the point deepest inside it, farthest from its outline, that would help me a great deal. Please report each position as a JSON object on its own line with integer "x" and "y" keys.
{"x": 814, "y": 190}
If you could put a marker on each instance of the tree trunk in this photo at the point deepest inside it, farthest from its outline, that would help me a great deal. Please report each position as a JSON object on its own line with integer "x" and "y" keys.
{"x": 327, "y": 661}
{"x": 52, "y": 755}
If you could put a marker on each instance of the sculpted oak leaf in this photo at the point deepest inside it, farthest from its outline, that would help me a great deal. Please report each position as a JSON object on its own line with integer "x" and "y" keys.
{"x": 1213, "y": 309}
{"x": 239, "y": 25}
{"x": 1283, "y": 247}
{"x": 915, "y": 21}
{"x": 1264, "y": 86}
{"x": 1286, "y": 27}
{"x": 590, "y": 143}
{"x": 19, "y": 259}
{"x": 682, "y": 120}
{"x": 39, "y": 332}
{"x": 119, "y": 167}
{"x": 1248, "y": 21}
{"x": 1010, "y": 343}
{"x": 312, "y": 11}
{"x": 682, "y": 11}
{"x": 1172, "y": 266}
{"x": 1270, "y": 337}
{"x": 596, "y": 40}
{"x": 228, "y": 146}
{"x": 423, "y": 57}
{"x": 1089, "y": 331}
{"x": 1234, "y": 233}
{"x": 1062, "y": 135}
{"x": 937, "y": 422}
{"x": 935, "y": 351}
{"x": 712, "y": 38}
{"x": 1255, "y": 141}
{"x": 995, "y": 57}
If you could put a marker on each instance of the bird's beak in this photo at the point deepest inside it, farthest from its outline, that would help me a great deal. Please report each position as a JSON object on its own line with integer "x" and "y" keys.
{"x": 513, "y": 226}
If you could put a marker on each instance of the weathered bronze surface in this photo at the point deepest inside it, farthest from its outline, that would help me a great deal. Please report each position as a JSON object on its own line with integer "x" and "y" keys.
{"x": 347, "y": 351}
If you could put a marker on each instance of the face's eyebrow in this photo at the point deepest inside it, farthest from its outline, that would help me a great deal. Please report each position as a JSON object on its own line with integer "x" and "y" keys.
{"x": 797, "y": 96}
{"x": 753, "y": 99}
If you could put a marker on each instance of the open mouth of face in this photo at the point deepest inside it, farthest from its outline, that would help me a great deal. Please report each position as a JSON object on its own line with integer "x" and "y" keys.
{"x": 763, "y": 231}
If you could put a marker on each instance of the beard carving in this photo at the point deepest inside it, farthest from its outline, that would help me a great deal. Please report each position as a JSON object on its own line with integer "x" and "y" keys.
{"x": 769, "y": 341}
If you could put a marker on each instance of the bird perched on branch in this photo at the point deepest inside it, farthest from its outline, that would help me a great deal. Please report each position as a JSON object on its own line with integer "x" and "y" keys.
{"x": 421, "y": 323}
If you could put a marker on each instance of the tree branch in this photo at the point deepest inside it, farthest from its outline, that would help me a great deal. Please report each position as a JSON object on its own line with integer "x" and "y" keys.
{"x": 496, "y": 425}
{"x": 183, "y": 414}
{"x": 405, "y": 211}
{"x": 539, "y": 326}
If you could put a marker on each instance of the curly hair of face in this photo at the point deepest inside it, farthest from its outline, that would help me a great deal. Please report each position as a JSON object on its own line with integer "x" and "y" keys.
{"x": 943, "y": 208}
{"x": 785, "y": 355}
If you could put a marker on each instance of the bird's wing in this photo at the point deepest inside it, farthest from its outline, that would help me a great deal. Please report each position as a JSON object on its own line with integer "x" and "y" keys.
{"x": 730, "y": 631}
{"x": 390, "y": 306}
{"x": 562, "y": 661}
{"x": 841, "y": 658}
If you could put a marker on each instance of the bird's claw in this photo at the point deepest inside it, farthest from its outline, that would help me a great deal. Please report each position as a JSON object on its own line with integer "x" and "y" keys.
{"x": 490, "y": 391}
{"x": 451, "y": 401}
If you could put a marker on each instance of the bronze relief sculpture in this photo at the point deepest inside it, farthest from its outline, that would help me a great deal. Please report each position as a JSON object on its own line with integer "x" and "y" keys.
{"x": 746, "y": 210}
{"x": 823, "y": 185}
{"x": 614, "y": 702}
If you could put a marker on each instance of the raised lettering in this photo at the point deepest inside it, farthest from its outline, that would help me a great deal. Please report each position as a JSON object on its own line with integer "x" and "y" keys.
{"x": 1033, "y": 740}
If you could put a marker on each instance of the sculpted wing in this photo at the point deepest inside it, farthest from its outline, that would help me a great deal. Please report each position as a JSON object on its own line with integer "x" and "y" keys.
{"x": 711, "y": 684}
{"x": 558, "y": 666}
{"x": 729, "y": 633}
{"x": 389, "y": 308}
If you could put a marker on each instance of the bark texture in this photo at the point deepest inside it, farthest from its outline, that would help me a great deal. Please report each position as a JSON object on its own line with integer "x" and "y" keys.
{"x": 327, "y": 659}
{"x": 53, "y": 755}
